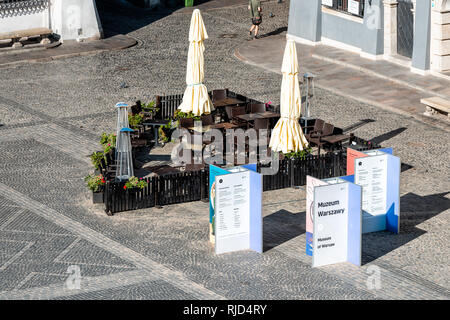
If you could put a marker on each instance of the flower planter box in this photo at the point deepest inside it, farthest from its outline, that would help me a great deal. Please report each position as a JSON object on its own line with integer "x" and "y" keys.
{"x": 98, "y": 197}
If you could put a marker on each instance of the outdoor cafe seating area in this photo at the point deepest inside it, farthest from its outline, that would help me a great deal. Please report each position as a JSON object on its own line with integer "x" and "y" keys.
{"x": 168, "y": 183}
{"x": 231, "y": 111}
{"x": 134, "y": 174}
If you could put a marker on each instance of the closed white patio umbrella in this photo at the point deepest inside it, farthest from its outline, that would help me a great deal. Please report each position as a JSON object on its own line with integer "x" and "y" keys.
{"x": 287, "y": 136}
{"x": 195, "y": 98}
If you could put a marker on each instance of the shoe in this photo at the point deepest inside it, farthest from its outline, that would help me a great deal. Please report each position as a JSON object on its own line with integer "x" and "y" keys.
{"x": 250, "y": 33}
{"x": 256, "y": 37}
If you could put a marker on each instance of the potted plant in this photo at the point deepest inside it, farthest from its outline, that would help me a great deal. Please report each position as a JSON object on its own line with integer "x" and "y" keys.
{"x": 299, "y": 154}
{"x": 180, "y": 114}
{"x": 149, "y": 109}
{"x": 165, "y": 131}
{"x": 135, "y": 120}
{"x": 96, "y": 183}
{"x": 97, "y": 160}
{"x": 108, "y": 141}
{"x": 135, "y": 183}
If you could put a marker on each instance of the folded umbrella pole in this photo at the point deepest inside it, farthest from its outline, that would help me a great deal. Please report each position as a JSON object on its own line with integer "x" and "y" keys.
{"x": 196, "y": 98}
{"x": 287, "y": 136}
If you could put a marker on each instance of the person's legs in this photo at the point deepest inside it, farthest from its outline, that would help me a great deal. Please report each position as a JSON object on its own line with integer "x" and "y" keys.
{"x": 256, "y": 31}
{"x": 251, "y": 29}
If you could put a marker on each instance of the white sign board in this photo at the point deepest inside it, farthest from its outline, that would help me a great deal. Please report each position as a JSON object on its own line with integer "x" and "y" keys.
{"x": 353, "y": 7}
{"x": 238, "y": 215}
{"x": 330, "y": 237}
{"x": 378, "y": 173}
{"x": 371, "y": 175}
{"x": 327, "y": 3}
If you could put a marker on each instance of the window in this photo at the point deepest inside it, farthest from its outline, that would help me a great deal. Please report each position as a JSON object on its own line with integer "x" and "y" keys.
{"x": 353, "y": 7}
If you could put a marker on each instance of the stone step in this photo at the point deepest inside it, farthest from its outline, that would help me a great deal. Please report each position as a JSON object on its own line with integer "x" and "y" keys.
{"x": 436, "y": 105}
{"x": 29, "y": 47}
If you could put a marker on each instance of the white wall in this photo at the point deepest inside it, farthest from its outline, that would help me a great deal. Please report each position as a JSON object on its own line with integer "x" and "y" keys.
{"x": 70, "y": 19}
{"x": 23, "y": 22}
{"x": 75, "y": 19}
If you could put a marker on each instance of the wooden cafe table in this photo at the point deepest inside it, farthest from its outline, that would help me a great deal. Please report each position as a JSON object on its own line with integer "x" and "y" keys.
{"x": 258, "y": 115}
{"x": 223, "y": 125}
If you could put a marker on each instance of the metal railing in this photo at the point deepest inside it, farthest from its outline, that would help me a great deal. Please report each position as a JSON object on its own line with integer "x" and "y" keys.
{"x": 347, "y": 6}
{"x": 10, "y": 8}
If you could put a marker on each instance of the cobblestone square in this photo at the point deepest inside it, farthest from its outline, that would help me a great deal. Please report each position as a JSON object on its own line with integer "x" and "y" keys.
{"x": 52, "y": 114}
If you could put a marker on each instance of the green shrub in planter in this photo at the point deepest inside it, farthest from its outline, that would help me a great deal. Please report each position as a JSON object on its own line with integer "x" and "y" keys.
{"x": 95, "y": 183}
{"x": 135, "y": 120}
{"x": 134, "y": 182}
{"x": 96, "y": 159}
{"x": 108, "y": 141}
{"x": 299, "y": 154}
{"x": 150, "y": 107}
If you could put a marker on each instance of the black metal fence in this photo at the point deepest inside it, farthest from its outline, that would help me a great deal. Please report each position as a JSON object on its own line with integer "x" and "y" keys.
{"x": 292, "y": 172}
{"x": 169, "y": 104}
{"x": 194, "y": 185}
{"x": 161, "y": 190}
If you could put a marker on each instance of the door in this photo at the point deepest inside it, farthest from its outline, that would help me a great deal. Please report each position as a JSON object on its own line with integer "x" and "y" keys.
{"x": 405, "y": 28}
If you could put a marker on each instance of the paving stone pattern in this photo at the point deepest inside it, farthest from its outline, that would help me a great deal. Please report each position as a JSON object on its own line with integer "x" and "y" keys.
{"x": 51, "y": 115}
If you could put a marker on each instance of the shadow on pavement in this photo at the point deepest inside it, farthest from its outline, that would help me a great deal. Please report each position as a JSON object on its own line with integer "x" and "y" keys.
{"x": 282, "y": 226}
{"x": 387, "y": 135}
{"x": 390, "y": 135}
{"x": 122, "y": 17}
{"x": 357, "y": 125}
{"x": 273, "y": 33}
{"x": 414, "y": 210}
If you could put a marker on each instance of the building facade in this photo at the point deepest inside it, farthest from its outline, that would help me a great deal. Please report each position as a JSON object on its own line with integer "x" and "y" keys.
{"x": 414, "y": 33}
{"x": 69, "y": 19}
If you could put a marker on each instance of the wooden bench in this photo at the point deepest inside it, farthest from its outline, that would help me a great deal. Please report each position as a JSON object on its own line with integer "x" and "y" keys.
{"x": 23, "y": 35}
{"x": 436, "y": 105}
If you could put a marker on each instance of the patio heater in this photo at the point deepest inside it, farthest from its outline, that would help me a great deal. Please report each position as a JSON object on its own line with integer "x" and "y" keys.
{"x": 122, "y": 116}
{"x": 307, "y": 100}
{"x": 124, "y": 157}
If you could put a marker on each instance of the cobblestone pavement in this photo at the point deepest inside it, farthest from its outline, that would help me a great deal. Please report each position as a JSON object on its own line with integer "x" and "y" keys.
{"x": 51, "y": 115}
{"x": 380, "y": 83}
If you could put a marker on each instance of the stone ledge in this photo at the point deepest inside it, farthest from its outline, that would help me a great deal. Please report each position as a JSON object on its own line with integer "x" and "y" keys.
{"x": 26, "y": 33}
{"x": 68, "y": 50}
{"x": 29, "y": 48}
